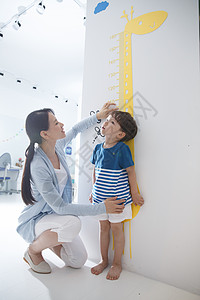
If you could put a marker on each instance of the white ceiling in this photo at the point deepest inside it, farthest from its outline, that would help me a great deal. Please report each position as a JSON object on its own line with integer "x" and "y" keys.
{"x": 48, "y": 49}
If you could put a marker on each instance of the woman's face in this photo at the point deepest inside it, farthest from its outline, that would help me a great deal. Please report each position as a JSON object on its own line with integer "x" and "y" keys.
{"x": 56, "y": 130}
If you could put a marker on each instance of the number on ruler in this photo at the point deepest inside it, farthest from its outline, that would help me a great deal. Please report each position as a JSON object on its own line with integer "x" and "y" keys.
{"x": 114, "y": 36}
{"x": 113, "y": 74}
{"x": 111, "y": 88}
{"x": 114, "y": 48}
{"x": 113, "y": 61}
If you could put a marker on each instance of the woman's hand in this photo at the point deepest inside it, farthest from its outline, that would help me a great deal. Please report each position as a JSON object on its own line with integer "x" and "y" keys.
{"x": 106, "y": 110}
{"x": 90, "y": 198}
{"x": 112, "y": 205}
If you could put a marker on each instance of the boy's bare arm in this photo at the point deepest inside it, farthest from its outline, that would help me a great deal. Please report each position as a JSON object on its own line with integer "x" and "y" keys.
{"x": 93, "y": 176}
{"x": 93, "y": 181}
{"x": 137, "y": 198}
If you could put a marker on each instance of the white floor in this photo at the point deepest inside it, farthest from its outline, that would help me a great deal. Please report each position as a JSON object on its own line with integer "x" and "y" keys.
{"x": 18, "y": 281}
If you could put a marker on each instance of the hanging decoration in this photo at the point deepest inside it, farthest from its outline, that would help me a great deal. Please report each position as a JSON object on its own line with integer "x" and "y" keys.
{"x": 36, "y": 87}
{"x": 8, "y": 139}
{"x": 14, "y": 20}
{"x": 22, "y": 10}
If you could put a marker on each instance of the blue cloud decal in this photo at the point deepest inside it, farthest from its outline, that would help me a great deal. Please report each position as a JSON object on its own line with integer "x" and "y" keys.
{"x": 100, "y": 7}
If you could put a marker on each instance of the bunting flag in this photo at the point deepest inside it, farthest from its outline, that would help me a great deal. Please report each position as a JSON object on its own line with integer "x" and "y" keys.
{"x": 13, "y": 136}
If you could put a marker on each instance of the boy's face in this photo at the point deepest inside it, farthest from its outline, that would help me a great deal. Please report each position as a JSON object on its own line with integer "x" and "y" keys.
{"x": 111, "y": 128}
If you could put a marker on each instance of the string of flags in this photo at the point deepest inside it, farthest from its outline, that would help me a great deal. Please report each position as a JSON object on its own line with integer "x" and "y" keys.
{"x": 13, "y": 136}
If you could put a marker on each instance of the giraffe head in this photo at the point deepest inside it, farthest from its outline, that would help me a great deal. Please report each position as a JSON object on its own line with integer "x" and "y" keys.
{"x": 145, "y": 23}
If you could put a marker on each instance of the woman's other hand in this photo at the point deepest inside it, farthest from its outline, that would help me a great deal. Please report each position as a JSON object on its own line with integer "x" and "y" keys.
{"x": 107, "y": 108}
{"x": 112, "y": 205}
{"x": 90, "y": 198}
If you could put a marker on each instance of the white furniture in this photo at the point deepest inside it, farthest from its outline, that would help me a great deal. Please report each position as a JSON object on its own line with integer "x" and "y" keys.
{"x": 8, "y": 175}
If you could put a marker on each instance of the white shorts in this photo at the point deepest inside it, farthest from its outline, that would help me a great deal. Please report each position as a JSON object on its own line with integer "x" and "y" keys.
{"x": 117, "y": 218}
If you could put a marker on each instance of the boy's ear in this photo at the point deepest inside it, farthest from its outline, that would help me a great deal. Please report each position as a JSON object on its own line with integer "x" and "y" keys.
{"x": 122, "y": 135}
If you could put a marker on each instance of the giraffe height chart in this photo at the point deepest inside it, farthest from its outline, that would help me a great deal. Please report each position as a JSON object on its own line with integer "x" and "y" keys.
{"x": 121, "y": 74}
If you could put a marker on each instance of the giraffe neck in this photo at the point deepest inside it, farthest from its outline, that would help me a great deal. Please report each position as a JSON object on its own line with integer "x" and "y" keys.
{"x": 128, "y": 81}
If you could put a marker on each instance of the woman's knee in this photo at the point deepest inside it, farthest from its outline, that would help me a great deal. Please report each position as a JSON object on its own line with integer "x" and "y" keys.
{"x": 69, "y": 230}
{"x": 79, "y": 260}
{"x": 74, "y": 254}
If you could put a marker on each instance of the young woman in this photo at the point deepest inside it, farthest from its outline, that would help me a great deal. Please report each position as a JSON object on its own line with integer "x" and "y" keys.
{"x": 50, "y": 220}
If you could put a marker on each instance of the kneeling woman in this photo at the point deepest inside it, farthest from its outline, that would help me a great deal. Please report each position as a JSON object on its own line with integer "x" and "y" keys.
{"x": 50, "y": 219}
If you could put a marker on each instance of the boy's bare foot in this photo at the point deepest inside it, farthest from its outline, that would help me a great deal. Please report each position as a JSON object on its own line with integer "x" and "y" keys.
{"x": 98, "y": 269}
{"x": 114, "y": 272}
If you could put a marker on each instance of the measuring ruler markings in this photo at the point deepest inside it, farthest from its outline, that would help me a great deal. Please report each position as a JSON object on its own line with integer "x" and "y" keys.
{"x": 122, "y": 62}
{"x": 122, "y": 75}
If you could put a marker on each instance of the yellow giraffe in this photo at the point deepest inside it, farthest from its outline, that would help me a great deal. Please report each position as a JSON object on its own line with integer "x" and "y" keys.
{"x": 141, "y": 25}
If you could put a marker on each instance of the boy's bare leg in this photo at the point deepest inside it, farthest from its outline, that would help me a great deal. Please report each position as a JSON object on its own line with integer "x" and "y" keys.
{"x": 119, "y": 242}
{"x": 104, "y": 244}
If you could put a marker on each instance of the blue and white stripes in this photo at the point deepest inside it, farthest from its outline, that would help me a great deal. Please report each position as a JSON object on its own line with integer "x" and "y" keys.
{"x": 111, "y": 183}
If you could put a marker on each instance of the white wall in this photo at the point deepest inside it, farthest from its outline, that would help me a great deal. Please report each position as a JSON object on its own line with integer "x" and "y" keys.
{"x": 165, "y": 233}
{"x": 16, "y": 103}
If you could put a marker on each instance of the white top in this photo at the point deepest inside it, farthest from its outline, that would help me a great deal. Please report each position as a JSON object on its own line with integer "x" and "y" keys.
{"x": 62, "y": 177}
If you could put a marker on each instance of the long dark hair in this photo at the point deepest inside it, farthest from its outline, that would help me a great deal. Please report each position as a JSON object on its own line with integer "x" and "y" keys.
{"x": 35, "y": 122}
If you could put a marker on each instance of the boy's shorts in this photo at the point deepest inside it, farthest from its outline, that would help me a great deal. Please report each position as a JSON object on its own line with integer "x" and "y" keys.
{"x": 117, "y": 218}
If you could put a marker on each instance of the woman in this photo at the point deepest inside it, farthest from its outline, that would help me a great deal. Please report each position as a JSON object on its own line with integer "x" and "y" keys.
{"x": 50, "y": 220}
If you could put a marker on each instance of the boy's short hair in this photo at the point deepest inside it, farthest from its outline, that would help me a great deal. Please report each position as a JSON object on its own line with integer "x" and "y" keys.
{"x": 127, "y": 124}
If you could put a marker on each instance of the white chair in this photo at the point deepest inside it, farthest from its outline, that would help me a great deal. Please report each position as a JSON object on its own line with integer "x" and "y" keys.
{"x": 5, "y": 163}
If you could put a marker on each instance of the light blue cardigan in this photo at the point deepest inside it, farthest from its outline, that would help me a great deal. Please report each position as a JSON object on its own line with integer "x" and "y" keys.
{"x": 45, "y": 189}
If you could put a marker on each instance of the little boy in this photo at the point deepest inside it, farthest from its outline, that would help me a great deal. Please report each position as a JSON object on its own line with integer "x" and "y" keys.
{"x": 114, "y": 175}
